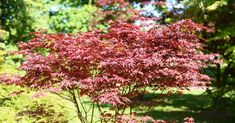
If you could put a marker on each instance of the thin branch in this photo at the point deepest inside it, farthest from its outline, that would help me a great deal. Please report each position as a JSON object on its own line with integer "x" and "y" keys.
{"x": 100, "y": 111}
{"x": 83, "y": 107}
{"x": 92, "y": 113}
{"x": 63, "y": 97}
{"x": 79, "y": 114}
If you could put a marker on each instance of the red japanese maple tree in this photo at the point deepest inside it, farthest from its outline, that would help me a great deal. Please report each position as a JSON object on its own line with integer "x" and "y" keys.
{"x": 115, "y": 67}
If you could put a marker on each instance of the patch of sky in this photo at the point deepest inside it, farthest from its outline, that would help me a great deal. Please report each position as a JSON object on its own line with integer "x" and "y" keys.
{"x": 148, "y": 9}
{"x": 174, "y": 4}
{"x": 79, "y": 7}
{"x": 171, "y": 4}
{"x": 56, "y": 8}
{"x": 152, "y": 10}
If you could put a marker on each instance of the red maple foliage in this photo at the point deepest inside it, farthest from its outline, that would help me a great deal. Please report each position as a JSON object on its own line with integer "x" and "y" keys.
{"x": 103, "y": 64}
{"x": 114, "y": 10}
{"x": 121, "y": 3}
{"x": 117, "y": 66}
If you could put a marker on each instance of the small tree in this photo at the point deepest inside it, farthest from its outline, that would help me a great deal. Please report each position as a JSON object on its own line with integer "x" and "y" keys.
{"x": 117, "y": 67}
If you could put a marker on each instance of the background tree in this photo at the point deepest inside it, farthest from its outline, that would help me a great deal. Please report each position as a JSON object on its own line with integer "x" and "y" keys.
{"x": 71, "y": 19}
{"x": 220, "y": 15}
{"x": 15, "y": 19}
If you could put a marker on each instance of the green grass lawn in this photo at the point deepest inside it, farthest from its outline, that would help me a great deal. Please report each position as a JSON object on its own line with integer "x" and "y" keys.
{"x": 194, "y": 103}
{"x": 175, "y": 107}
{"x": 191, "y": 104}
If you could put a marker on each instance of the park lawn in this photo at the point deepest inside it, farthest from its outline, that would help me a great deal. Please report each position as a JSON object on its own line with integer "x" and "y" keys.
{"x": 194, "y": 103}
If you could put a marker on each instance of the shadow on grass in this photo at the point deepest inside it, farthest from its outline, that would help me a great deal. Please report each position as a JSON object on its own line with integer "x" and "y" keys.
{"x": 200, "y": 117}
{"x": 176, "y": 107}
{"x": 192, "y": 102}
{"x": 189, "y": 105}
{"x": 2, "y": 101}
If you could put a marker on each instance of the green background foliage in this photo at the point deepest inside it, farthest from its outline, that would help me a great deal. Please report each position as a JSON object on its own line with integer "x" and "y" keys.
{"x": 72, "y": 19}
{"x": 220, "y": 15}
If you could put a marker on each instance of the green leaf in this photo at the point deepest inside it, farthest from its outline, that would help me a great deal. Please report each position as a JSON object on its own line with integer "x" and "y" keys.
{"x": 216, "y": 5}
